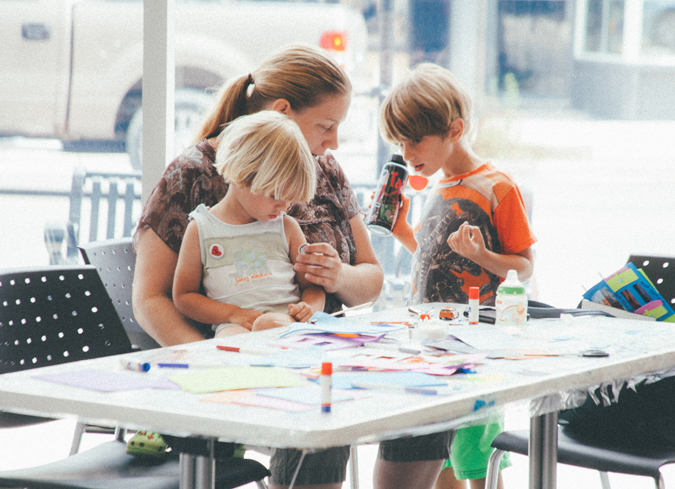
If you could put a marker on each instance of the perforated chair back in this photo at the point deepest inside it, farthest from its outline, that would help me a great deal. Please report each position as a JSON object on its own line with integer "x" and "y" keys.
{"x": 115, "y": 261}
{"x": 54, "y": 315}
{"x": 661, "y": 271}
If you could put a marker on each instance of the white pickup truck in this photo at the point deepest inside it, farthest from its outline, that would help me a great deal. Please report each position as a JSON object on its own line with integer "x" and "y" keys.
{"x": 71, "y": 69}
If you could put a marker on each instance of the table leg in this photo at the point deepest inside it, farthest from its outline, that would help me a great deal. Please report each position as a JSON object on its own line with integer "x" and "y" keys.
{"x": 187, "y": 471}
{"x": 353, "y": 467}
{"x": 543, "y": 451}
{"x": 205, "y": 468}
{"x": 198, "y": 471}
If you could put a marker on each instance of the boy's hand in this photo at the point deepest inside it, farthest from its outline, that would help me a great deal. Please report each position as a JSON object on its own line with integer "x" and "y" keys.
{"x": 245, "y": 317}
{"x": 301, "y": 311}
{"x": 402, "y": 217}
{"x": 467, "y": 241}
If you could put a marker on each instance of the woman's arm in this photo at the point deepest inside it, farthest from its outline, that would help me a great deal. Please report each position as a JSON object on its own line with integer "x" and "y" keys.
{"x": 311, "y": 294}
{"x": 187, "y": 283}
{"x": 152, "y": 303}
{"x": 353, "y": 284}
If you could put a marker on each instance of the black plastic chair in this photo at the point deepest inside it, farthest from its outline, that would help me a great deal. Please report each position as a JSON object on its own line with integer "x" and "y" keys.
{"x": 61, "y": 314}
{"x": 115, "y": 261}
{"x": 595, "y": 454}
{"x": 587, "y": 453}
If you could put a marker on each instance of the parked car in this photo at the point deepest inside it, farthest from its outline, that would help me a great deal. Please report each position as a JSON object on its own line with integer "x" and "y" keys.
{"x": 72, "y": 69}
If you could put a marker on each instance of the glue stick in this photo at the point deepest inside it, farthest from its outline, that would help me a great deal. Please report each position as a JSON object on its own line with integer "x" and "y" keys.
{"x": 474, "y": 301}
{"x": 326, "y": 386}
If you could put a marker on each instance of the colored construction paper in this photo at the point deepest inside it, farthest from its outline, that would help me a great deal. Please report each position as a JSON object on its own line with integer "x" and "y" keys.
{"x": 325, "y": 323}
{"x": 325, "y": 340}
{"x": 310, "y": 394}
{"x": 236, "y": 377}
{"x": 309, "y": 357}
{"x": 398, "y": 379}
{"x": 99, "y": 380}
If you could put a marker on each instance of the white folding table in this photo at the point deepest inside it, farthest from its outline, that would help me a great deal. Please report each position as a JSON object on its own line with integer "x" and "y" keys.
{"x": 548, "y": 383}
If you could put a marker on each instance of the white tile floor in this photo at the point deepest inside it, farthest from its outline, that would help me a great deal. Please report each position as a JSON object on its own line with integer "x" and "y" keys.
{"x": 36, "y": 445}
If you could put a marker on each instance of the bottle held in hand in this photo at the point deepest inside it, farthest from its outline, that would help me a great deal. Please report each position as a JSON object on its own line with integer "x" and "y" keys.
{"x": 384, "y": 209}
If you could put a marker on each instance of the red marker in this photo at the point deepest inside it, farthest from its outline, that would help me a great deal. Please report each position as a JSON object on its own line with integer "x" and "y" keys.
{"x": 247, "y": 350}
{"x": 326, "y": 386}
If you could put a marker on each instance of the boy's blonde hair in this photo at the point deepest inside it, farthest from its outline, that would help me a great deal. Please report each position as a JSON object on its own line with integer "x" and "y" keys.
{"x": 267, "y": 152}
{"x": 424, "y": 104}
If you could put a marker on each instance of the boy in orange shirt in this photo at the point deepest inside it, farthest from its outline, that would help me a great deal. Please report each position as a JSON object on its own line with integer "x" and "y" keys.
{"x": 473, "y": 228}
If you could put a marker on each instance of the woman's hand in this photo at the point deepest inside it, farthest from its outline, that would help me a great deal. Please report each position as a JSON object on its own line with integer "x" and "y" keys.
{"x": 320, "y": 264}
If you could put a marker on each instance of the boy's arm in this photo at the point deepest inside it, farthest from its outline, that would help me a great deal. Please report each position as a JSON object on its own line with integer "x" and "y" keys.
{"x": 402, "y": 230}
{"x": 186, "y": 288}
{"x": 468, "y": 242}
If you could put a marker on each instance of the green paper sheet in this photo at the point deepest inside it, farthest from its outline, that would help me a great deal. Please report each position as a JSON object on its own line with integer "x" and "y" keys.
{"x": 236, "y": 377}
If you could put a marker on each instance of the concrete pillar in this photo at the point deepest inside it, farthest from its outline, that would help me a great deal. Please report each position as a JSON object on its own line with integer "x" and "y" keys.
{"x": 158, "y": 89}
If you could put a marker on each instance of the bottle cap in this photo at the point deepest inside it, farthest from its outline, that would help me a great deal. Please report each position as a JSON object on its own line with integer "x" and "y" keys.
{"x": 474, "y": 293}
{"x": 511, "y": 286}
{"x": 397, "y": 158}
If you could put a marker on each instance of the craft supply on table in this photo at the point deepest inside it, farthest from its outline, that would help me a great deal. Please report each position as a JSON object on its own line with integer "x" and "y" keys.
{"x": 511, "y": 304}
{"x": 135, "y": 365}
{"x": 474, "y": 304}
{"x": 326, "y": 386}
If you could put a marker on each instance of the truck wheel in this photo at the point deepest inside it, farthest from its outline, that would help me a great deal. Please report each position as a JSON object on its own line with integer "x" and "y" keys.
{"x": 190, "y": 106}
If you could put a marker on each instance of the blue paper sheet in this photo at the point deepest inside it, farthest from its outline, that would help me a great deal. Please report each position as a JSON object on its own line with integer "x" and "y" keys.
{"x": 306, "y": 358}
{"x": 395, "y": 379}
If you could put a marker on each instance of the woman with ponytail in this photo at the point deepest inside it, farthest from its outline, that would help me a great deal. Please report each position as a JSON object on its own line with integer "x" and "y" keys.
{"x": 314, "y": 92}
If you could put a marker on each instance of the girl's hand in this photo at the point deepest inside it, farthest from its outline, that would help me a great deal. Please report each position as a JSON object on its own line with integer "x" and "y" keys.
{"x": 467, "y": 241}
{"x": 320, "y": 264}
{"x": 245, "y": 317}
{"x": 301, "y": 311}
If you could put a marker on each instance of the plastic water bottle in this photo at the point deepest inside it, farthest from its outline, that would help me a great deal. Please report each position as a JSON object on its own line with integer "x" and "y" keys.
{"x": 511, "y": 304}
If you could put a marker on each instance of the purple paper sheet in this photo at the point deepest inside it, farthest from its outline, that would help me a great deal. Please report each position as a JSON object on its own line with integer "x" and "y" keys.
{"x": 101, "y": 381}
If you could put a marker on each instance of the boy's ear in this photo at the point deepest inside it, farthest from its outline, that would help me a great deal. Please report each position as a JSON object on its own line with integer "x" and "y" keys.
{"x": 456, "y": 130}
{"x": 281, "y": 105}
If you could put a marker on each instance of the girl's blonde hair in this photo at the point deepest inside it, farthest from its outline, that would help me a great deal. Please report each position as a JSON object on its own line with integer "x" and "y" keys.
{"x": 302, "y": 75}
{"x": 267, "y": 152}
{"x": 424, "y": 104}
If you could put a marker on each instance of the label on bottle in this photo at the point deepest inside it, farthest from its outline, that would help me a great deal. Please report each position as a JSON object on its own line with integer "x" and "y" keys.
{"x": 384, "y": 209}
{"x": 511, "y": 311}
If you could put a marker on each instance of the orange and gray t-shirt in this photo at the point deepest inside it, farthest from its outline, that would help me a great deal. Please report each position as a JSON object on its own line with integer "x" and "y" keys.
{"x": 486, "y": 198}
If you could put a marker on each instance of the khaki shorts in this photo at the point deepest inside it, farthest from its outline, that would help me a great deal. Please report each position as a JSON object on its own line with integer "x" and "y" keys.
{"x": 435, "y": 446}
{"x": 322, "y": 467}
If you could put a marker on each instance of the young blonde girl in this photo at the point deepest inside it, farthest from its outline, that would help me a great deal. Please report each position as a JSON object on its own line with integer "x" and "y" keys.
{"x": 243, "y": 249}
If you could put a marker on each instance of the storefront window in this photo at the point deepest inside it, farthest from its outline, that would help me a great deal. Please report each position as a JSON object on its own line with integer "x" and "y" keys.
{"x": 658, "y": 27}
{"x": 604, "y": 26}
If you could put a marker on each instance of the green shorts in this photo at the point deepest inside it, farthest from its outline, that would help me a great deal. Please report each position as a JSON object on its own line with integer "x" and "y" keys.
{"x": 471, "y": 451}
